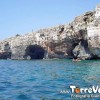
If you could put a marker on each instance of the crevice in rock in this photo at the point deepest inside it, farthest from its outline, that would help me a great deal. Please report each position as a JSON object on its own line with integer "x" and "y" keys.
{"x": 61, "y": 30}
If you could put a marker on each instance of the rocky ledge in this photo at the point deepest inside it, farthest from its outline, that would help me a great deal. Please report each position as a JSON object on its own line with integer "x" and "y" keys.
{"x": 78, "y": 39}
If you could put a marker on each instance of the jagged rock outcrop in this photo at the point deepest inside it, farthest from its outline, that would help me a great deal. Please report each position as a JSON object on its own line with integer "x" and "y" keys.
{"x": 78, "y": 39}
{"x": 93, "y": 34}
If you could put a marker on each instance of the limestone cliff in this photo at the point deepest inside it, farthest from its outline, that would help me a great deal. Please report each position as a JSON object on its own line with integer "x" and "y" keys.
{"x": 78, "y": 39}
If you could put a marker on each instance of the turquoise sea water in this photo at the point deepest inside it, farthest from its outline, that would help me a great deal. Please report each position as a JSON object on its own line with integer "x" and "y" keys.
{"x": 44, "y": 79}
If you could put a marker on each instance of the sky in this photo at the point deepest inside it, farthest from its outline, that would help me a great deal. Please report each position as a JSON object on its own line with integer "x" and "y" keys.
{"x": 24, "y": 16}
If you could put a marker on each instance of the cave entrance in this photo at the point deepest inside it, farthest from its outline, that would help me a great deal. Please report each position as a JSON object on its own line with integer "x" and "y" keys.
{"x": 35, "y": 52}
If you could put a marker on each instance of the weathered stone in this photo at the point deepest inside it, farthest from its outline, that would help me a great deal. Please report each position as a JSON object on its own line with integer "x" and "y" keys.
{"x": 80, "y": 39}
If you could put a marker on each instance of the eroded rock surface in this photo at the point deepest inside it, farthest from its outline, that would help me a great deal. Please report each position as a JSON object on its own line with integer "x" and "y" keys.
{"x": 78, "y": 39}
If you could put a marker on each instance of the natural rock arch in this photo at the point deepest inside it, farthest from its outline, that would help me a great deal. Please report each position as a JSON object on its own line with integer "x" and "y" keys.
{"x": 35, "y": 52}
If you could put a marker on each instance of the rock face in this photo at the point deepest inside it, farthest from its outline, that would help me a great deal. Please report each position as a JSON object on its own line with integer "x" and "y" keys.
{"x": 78, "y": 39}
{"x": 93, "y": 34}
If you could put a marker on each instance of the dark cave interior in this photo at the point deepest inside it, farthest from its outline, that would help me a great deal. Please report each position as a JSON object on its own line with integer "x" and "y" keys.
{"x": 35, "y": 52}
